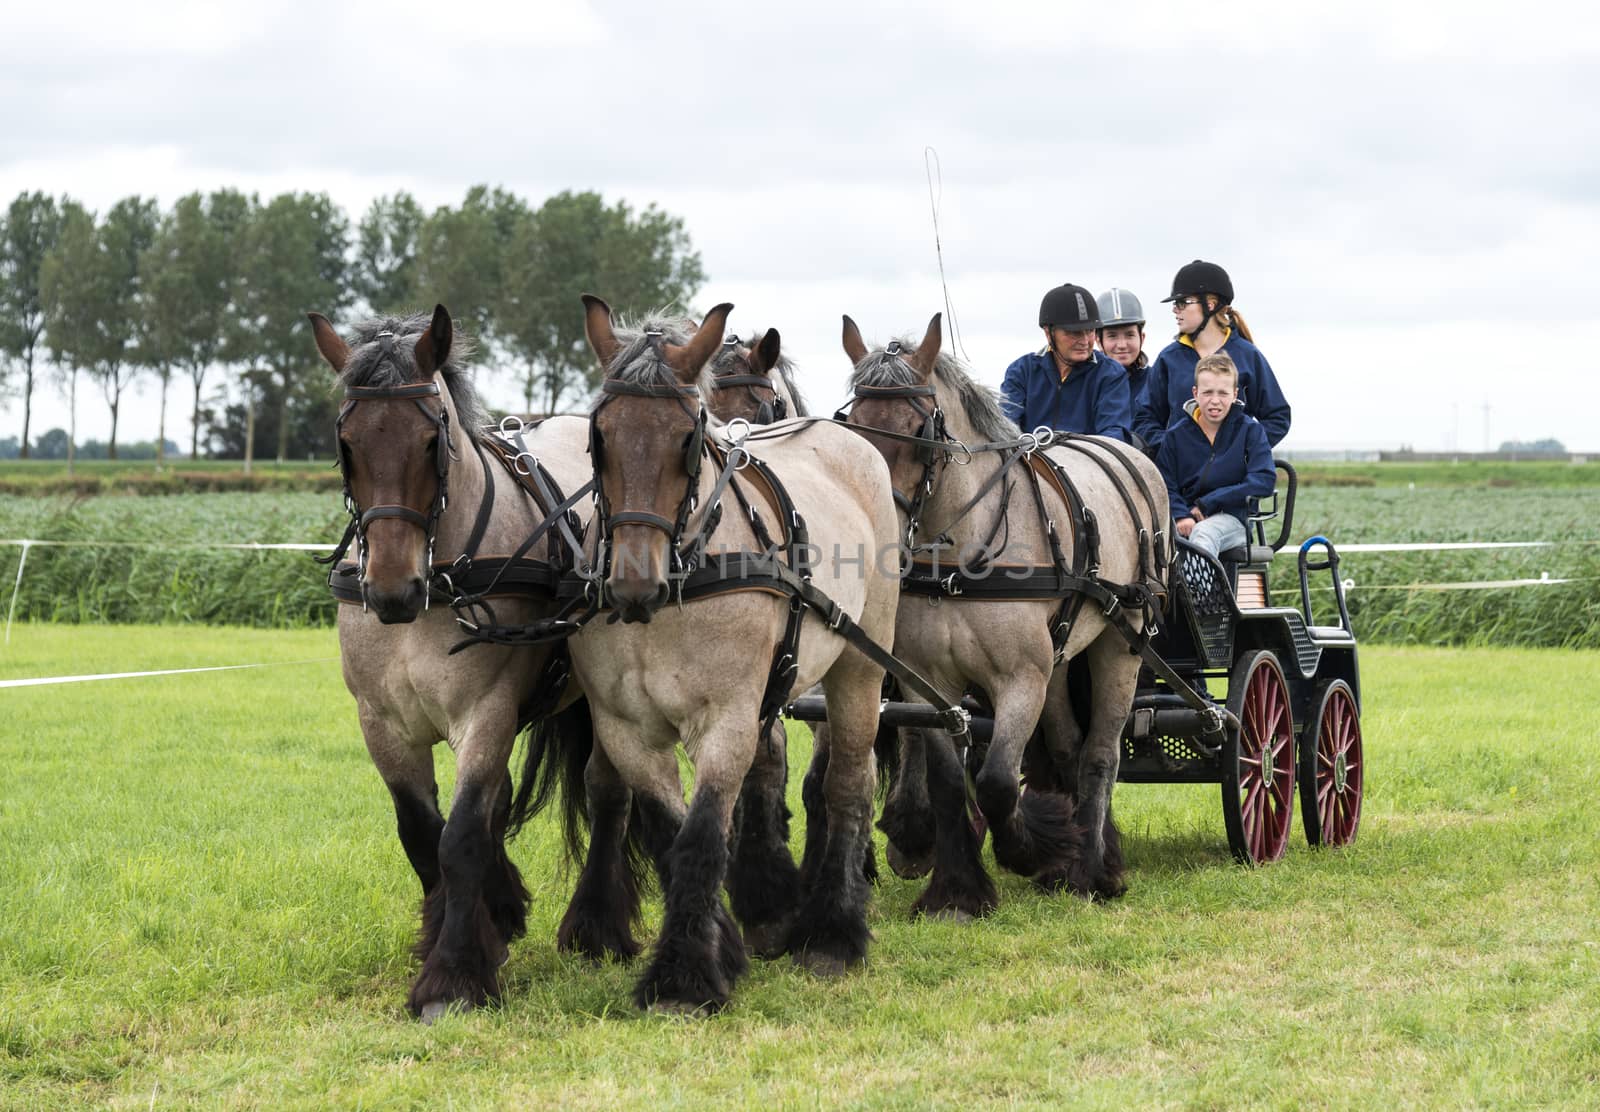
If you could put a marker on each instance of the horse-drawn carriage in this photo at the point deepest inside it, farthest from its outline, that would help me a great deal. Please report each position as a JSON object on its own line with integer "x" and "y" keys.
{"x": 1292, "y": 699}
{"x": 1293, "y": 688}
{"x": 731, "y": 570}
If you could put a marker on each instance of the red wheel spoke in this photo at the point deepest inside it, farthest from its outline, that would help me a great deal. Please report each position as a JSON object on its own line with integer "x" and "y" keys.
{"x": 1252, "y": 792}
{"x": 1282, "y": 790}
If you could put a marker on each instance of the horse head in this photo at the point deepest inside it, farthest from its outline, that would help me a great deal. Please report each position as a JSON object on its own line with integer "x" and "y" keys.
{"x": 746, "y": 381}
{"x": 896, "y": 407}
{"x": 394, "y": 439}
{"x": 646, "y": 442}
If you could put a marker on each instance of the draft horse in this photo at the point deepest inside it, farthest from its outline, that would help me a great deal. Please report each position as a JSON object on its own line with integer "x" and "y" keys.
{"x": 700, "y": 600}
{"x": 440, "y": 507}
{"x": 754, "y": 380}
{"x": 1005, "y": 542}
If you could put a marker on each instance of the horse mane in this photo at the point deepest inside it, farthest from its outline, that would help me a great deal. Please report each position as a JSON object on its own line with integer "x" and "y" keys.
{"x": 785, "y": 368}
{"x": 367, "y": 365}
{"x": 637, "y": 361}
{"x": 977, "y": 402}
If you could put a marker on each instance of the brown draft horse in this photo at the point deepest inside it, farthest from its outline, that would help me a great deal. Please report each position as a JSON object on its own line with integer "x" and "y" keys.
{"x": 660, "y": 672}
{"x": 417, "y": 473}
{"x": 754, "y": 381}
{"x": 998, "y": 646}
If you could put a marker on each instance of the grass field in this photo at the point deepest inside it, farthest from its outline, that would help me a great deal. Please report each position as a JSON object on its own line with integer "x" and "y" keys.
{"x": 204, "y": 904}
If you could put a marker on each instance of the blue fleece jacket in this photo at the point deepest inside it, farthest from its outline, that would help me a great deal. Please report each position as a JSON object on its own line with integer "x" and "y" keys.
{"x": 1170, "y": 385}
{"x": 1225, "y": 476}
{"x": 1137, "y": 375}
{"x": 1092, "y": 399}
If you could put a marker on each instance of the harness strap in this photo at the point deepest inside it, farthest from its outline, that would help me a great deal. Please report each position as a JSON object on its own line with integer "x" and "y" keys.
{"x": 538, "y": 481}
{"x": 404, "y": 513}
{"x": 1015, "y": 455}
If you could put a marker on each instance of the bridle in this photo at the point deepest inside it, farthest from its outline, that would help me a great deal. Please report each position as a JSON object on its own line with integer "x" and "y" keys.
{"x": 768, "y": 410}
{"x": 695, "y": 448}
{"x": 360, "y": 518}
{"x": 935, "y": 446}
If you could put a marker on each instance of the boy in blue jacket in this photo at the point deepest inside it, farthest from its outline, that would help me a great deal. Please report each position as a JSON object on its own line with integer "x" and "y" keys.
{"x": 1216, "y": 460}
{"x": 1069, "y": 387}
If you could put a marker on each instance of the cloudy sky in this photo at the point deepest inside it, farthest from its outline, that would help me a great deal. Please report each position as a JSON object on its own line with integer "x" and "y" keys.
{"x": 1406, "y": 196}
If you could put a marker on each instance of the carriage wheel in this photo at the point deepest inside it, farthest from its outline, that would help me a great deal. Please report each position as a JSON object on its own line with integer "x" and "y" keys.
{"x": 1258, "y": 761}
{"x": 1331, "y": 768}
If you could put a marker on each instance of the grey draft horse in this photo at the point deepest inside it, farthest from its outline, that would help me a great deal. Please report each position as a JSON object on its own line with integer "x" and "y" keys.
{"x": 660, "y": 671}
{"x": 1001, "y": 648}
{"x": 417, "y": 471}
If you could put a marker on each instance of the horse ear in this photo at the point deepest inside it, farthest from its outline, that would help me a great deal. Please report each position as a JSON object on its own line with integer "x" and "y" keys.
{"x": 765, "y": 354}
{"x": 433, "y": 346}
{"x": 689, "y": 358}
{"x": 928, "y": 350}
{"x": 333, "y": 349}
{"x": 597, "y": 327}
{"x": 853, "y": 347}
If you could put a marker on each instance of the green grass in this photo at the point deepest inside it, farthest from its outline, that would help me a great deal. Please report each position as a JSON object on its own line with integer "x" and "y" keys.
{"x": 1463, "y": 473}
{"x": 205, "y": 904}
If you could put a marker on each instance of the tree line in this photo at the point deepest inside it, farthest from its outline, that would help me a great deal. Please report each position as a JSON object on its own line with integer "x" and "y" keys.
{"x": 215, "y": 291}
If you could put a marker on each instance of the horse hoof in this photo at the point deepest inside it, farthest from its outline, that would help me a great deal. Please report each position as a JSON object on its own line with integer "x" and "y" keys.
{"x": 907, "y": 868}
{"x": 952, "y": 915}
{"x": 821, "y": 965}
{"x": 436, "y": 1010}
{"x": 765, "y": 940}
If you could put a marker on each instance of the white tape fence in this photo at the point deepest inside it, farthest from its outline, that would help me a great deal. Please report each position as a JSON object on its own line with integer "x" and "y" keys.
{"x": 1544, "y": 580}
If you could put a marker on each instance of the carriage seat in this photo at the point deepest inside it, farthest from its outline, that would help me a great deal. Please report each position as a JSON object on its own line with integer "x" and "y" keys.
{"x": 1248, "y": 554}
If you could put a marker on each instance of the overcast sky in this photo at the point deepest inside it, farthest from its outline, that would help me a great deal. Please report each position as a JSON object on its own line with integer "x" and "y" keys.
{"x": 1407, "y": 197}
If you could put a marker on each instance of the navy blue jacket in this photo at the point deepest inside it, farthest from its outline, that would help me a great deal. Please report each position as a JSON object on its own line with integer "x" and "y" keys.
{"x": 1093, "y": 399}
{"x": 1225, "y": 477}
{"x": 1138, "y": 374}
{"x": 1170, "y": 385}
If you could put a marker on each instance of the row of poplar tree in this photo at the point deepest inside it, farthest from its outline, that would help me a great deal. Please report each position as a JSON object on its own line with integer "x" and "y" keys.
{"x": 214, "y": 292}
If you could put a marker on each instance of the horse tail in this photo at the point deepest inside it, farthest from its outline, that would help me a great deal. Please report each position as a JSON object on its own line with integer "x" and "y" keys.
{"x": 886, "y": 748}
{"x": 554, "y": 757}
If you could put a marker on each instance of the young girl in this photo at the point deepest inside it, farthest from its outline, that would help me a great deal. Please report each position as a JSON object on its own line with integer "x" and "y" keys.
{"x": 1202, "y": 307}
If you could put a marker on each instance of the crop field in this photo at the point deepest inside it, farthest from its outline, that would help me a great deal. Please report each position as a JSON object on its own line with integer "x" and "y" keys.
{"x": 144, "y": 563}
{"x": 205, "y": 904}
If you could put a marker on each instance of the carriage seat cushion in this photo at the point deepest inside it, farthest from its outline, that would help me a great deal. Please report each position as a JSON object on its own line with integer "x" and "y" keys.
{"x": 1249, "y": 554}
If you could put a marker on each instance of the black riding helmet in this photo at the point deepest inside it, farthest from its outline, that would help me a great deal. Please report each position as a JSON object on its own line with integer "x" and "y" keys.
{"x": 1070, "y": 307}
{"x": 1198, "y": 279}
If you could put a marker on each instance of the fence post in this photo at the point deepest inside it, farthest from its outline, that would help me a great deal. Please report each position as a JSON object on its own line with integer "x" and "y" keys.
{"x": 15, "y": 587}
